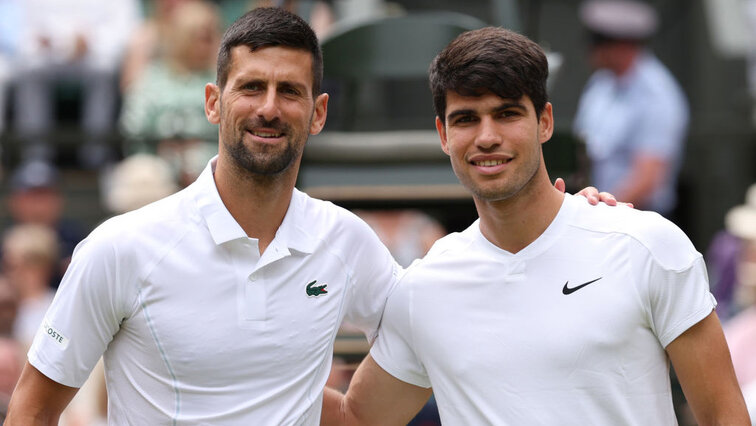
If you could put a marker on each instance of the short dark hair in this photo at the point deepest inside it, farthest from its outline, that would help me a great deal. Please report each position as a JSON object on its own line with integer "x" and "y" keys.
{"x": 268, "y": 27}
{"x": 490, "y": 59}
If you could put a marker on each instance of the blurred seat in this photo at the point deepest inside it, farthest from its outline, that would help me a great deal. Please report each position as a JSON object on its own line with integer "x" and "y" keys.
{"x": 379, "y": 143}
{"x": 376, "y": 70}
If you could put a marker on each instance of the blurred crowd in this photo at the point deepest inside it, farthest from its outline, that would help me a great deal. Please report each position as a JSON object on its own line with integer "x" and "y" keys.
{"x": 140, "y": 67}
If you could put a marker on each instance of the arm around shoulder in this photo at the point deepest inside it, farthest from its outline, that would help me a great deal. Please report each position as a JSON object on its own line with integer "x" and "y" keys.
{"x": 37, "y": 399}
{"x": 375, "y": 397}
{"x": 702, "y": 362}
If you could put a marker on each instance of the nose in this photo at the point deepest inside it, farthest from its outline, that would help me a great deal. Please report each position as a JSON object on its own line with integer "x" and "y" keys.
{"x": 488, "y": 135}
{"x": 269, "y": 110}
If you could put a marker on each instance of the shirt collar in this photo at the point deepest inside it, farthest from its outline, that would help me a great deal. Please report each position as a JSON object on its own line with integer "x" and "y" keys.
{"x": 223, "y": 227}
{"x": 293, "y": 232}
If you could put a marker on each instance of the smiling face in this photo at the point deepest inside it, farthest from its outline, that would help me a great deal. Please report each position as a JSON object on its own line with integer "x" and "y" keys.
{"x": 266, "y": 109}
{"x": 494, "y": 143}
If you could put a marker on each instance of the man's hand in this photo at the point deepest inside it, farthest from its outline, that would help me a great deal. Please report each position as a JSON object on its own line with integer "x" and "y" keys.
{"x": 592, "y": 194}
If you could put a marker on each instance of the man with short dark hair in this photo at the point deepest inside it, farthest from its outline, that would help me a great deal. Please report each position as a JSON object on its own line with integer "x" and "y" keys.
{"x": 220, "y": 304}
{"x": 545, "y": 310}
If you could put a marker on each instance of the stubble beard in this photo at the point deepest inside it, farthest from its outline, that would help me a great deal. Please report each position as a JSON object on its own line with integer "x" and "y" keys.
{"x": 505, "y": 190}
{"x": 269, "y": 161}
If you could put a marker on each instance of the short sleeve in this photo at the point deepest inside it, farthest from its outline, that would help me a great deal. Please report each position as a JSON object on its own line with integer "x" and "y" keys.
{"x": 84, "y": 316}
{"x": 375, "y": 273}
{"x": 679, "y": 299}
{"x": 394, "y": 348}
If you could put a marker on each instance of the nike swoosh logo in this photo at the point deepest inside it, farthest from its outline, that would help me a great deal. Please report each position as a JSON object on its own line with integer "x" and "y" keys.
{"x": 568, "y": 290}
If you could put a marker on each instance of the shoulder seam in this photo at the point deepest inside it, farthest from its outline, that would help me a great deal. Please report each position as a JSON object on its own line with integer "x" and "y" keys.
{"x": 645, "y": 246}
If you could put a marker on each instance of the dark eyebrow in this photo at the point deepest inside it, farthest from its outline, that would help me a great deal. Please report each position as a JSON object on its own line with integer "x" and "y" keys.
{"x": 458, "y": 113}
{"x": 503, "y": 107}
{"x": 243, "y": 83}
{"x": 509, "y": 105}
{"x": 298, "y": 86}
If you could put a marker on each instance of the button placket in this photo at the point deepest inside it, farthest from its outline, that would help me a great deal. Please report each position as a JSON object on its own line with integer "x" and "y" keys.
{"x": 254, "y": 293}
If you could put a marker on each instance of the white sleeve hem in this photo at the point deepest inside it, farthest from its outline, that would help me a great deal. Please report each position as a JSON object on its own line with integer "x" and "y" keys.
{"x": 404, "y": 376}
{"x": 50, "y": 372}
{"x": 688, "y": 322}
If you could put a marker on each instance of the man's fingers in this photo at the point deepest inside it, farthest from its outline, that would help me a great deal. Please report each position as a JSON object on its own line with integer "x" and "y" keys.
{"x": 560, "y": 185}
{"x": 607, "y": 198}
{"x": 591, "y": 193}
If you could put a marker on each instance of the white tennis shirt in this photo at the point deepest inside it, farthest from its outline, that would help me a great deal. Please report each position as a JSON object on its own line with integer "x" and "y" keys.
{"x": 196, "y": 328}
{"x": 570, "y": 330}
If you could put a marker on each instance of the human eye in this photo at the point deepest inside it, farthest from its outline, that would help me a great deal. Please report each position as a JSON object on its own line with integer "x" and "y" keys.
{"x": 463, "y": 119}
{"x": 290, "y": 90}
{"x": 507, "y": 113}
{"x": 252, "y": 86}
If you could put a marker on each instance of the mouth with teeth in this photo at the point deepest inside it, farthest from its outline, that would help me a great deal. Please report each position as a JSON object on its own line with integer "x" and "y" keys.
{"x": 490, "y": 166}
{"x": 265, "y": 134}
{"x": 489, "y": 163}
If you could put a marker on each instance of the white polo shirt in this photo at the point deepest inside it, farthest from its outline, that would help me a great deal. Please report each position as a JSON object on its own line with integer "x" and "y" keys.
{"x": 196, "y": 328}
{"x": 570, "y": 330}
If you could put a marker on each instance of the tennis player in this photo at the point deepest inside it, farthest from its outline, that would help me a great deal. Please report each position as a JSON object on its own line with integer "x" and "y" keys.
{"x": 544, "y": 311}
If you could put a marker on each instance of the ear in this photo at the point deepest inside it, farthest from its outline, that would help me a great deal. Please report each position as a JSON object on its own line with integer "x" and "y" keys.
{"x": 319, "y": 114}
{"x": 441, "y": 129}
{"x": 212, "y": 103}
{"x": 546, "y": 123}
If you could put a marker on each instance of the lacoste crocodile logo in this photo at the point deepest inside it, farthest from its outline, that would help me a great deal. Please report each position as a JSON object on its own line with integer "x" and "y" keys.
{"x": 316, "y": 290}
{"x": 567, "y": 290}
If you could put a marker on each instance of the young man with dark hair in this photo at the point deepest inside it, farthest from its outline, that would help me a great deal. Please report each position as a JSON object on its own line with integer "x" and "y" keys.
{"x": 545, "y": 310}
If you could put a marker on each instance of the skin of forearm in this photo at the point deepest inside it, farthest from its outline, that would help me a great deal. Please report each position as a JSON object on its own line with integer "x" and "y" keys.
{"x": 28, "y": 416}
{"x": 333, "y": 413}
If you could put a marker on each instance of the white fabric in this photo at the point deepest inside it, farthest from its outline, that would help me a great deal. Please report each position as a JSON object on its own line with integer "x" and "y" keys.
{"x": 196, "y": 327}
{"x": 499, "y": 342}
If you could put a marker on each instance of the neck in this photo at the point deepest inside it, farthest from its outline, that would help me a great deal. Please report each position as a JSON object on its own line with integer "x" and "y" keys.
{"x": 625, "y": 62}
{"x": 257, "y": 203}
{"x": 512, "y": 224}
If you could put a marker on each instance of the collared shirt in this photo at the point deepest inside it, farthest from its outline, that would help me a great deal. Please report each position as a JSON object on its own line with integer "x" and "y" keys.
{"x": 641, "y": 113}
{"x": 196, "y": 327}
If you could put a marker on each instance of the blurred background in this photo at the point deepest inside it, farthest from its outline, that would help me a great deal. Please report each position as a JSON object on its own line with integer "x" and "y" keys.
{"x": 101, "y": 112}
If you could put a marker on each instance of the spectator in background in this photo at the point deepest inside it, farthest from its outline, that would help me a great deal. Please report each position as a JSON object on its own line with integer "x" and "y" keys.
{"x": 161, "y": 110}
{"x": 740, "y": 330}
{"x": 8, "y": 307}
{"x": 10, "y": 27}
{"x": 318, "y": 13}
{"x": 11, "y": 362}
{"x": 30, "y": 254}
{"x": 632, "y": 113}
{"x": 35, "y": 198}
{"x": 137, "y": 181}
{"x": 721, "y": 261}
{"x": 146, "y": 42}
{"x": 80, "y": 41}
{"x": 408, "y": 234}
